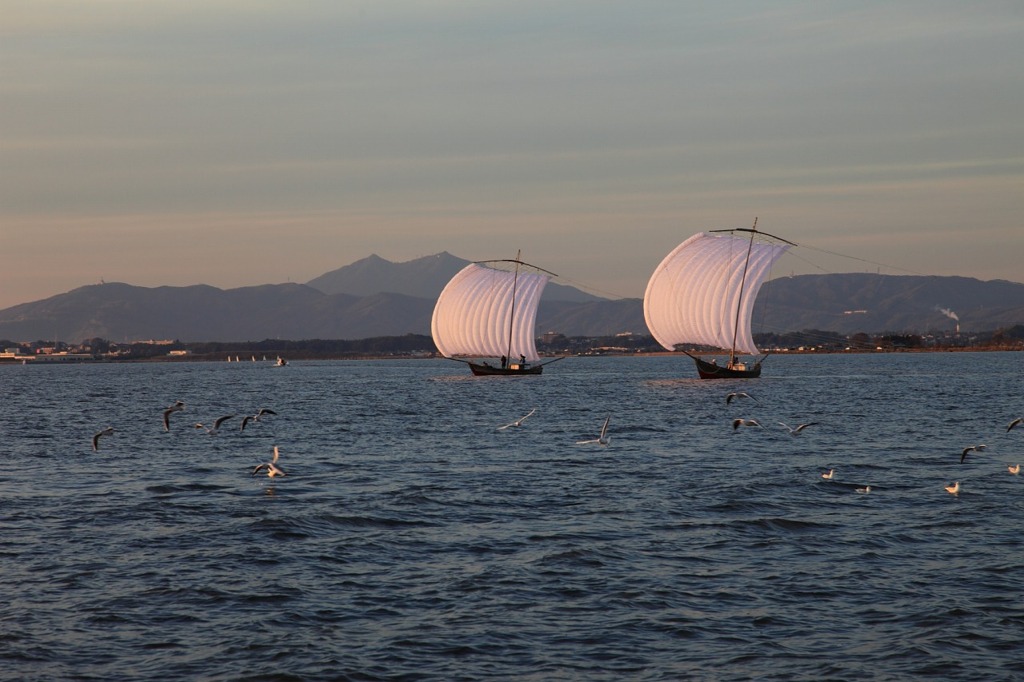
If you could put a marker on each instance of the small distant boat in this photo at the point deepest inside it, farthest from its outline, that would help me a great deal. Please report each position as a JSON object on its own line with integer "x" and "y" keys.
{"x": 281, "y": 362}
{"x": 703, "y": 293}
{"x": 489, "y": 310}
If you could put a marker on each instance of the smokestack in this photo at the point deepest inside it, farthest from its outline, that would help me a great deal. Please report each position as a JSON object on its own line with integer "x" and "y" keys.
{"x": 951, "y": 315}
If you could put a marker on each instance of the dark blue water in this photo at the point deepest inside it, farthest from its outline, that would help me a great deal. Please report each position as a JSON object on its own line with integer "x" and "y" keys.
{"x": 412, "y": 540}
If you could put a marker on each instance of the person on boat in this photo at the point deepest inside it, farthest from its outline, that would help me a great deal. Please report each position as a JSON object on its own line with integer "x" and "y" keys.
{"x": 522, "y": 359}
{"x": 504, "y": 361}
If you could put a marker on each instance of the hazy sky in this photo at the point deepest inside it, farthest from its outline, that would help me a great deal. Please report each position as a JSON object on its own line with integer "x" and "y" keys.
{"x": 245, "y": 142}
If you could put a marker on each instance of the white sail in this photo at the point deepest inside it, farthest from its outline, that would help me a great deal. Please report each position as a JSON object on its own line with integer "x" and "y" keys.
{"x": 692, "y": 297}
{"x": 473, "y": 313}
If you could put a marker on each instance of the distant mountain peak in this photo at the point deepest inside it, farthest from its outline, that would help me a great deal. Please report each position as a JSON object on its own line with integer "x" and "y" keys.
{"x": 423, "y": 277}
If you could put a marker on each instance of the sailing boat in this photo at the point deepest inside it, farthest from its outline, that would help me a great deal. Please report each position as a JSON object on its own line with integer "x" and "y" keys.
{"x": 703, "y": 293}
{"x": 490, "y": 311}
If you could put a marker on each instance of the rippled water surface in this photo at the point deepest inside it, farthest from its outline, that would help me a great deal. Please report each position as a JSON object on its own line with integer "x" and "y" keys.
{"x": 413, "y": 540}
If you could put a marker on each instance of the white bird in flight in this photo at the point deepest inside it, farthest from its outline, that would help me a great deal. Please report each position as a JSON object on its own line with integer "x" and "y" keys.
{"x": 602, "y": 439}
{"x": 1015, "y": 422}
{"x": 738, "y": 394}
{"x": 256, "y": 417}
{"x": 972, "y": 448}
{"x": 271, "y": 467}
{"x": 96, "y": 437}
{"x": 737, "y": 423}
{"x": 795, "y": 430}
{"x": 178, "y": 406}
{"x": 1014, "y": 469}
{"x": 828, "y": 475}
{"x": 518, "y": 422}
{"x": 953, "y": 488}
{"x": 212, "y": 430}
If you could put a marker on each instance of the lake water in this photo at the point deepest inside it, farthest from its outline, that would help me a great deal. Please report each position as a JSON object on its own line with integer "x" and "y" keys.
{"x": 413, "y": 540}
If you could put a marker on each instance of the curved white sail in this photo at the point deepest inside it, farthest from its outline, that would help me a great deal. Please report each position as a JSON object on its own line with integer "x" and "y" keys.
{"x": 473, "y": 313}
{"x": 692, "y": 297}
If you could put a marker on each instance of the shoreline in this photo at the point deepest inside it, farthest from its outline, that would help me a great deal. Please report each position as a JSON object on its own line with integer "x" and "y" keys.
{"x": 219, "y": 357}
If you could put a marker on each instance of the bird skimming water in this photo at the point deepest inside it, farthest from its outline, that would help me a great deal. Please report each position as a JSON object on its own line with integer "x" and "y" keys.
{"x": 212, "y": 430}
{"x": 178, "y": 406}
{"x": 518, "y": 422}
{"x": 96, "y": 437}
{"x": 270, "y": 467}
{"x": 256, "y": 417}
{"x": 603, "y": 438}
{"x": 972, "y": 448}
{"x": 795, "y": 430}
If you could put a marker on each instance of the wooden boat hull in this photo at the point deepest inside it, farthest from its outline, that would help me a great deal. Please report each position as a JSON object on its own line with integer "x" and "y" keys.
{"x": 710, "y": 370}
{"x": 514, "y": 370}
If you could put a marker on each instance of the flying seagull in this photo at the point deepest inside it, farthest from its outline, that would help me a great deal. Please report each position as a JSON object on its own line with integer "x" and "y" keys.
{"x": 737, "y": 423}
{"x": 256, "y": 417}
{"x": 271, "y": 467}
{"x": 972, "y": 448}
{"x": 1015, "y": 422}
{"x": 216, "y": 425}
{"x": 738, "y": 394}
{"x": 178, "y": 406}
{"x": 795, "y": 431}
{"x": 96, "y": 438}
{"x": 518, "y": 422}
{"x": 602, "y": 439}
{"x": 1014, "y": 469}
{"x": 829, "y": 474}
{"x": 953, "y": 488}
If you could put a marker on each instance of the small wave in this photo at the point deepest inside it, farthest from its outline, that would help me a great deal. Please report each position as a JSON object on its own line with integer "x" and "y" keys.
{"x": 375, "y": 522}
{"x": 574, "y": 557}
{"x": 794, "y": 525}
{"x": 173, "y": 488}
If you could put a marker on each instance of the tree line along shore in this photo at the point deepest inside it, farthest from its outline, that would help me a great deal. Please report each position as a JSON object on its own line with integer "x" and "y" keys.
{"x": 422, "y": 346}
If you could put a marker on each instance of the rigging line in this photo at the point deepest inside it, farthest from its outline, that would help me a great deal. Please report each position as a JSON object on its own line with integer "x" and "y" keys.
{"x": 811, "y": 263}
{"x": 563, "y": 280}
{"x": 517, "y": 262}
{"x": 592, "y": 289}
{"x": 862, "y": 260}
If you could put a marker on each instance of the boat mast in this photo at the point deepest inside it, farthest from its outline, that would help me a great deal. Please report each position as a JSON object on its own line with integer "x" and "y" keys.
{"x": 512, "y": 314}
{"x": 739, "y": 302}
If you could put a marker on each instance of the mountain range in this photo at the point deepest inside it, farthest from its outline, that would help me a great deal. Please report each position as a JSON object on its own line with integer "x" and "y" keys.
{"x": 863, "y": 302}
{"x": 375, "y": 297}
